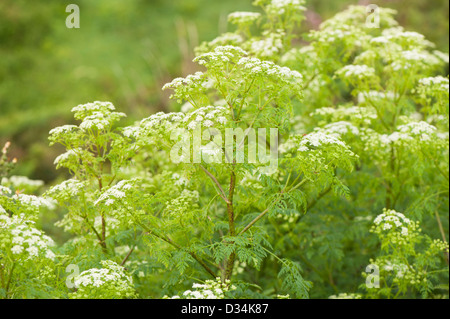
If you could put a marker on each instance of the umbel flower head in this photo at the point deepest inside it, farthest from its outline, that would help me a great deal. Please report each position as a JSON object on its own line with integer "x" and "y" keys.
{"x": 23, "y": 240}
{"x": 109, "y": 282}
{"x": 211, "y": 289}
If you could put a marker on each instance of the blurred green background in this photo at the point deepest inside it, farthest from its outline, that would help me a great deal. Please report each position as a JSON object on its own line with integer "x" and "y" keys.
{"x": 123, "y": 52}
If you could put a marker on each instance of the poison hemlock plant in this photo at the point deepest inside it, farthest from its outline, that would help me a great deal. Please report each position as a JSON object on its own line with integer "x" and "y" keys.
{"x": 267, "y": 183}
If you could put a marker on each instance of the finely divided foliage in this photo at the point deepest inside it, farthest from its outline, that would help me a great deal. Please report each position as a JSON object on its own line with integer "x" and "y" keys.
{"x": 362, "y": 175}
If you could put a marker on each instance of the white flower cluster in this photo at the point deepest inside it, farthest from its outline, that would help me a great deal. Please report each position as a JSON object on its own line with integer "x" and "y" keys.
{"x": 422, "y": 130}
{"x": 375, "y": 95}
{"x": 94, "y": 106}
{"x": 209, "y": 290}
{"x": 64, "y": 157}
{"x": 343, "y": 32}
{"x": 220, "y": 56}
{"x": 360, "y": 72}
{"x": 280, "y": 75}
{"x": 395, "y": 137}
{"x": 409, "y": 36}
{"x": 439, "y": 83}
{"x": 73, "y": 156}
{"x": 62, "y": 130}
{"x": 131, "y": 131}
{"x": 24, "y": 240}
{"x": 269, "y": 46}
{"x": 412, "y": 58}
{"x": 406, "y": 50}
{"x": 70, "y": 187}
{"x": 11, "y": 222}
{"x": 33, "y": 201}
{"x": 288, "y": 146}
{"x": 444, "y": 57}
{"x": 419, "y": 131}
{"x": 224, "y": 39}
{"x": 207, "y": 116}
{"x": 340, "y": 128}
{"x": 179, "y": 180}
{"x": 159, "y": 119}
{"x": 20, "y": 182}
{"x": 96, "y": 115}
{"x": 279, "y": 7}
{"x": 243, "y": 18}
{"x": 406, "y": 39}
{"x": 399, "y": 268}
{"x": 367, "y": 57}
{"x": 390, "y": 219}
{"x": 379, "y": 40}
{"x": 321, "y": 153}
{"x": 211, "y": 151}
{"x": 83, "y": 110}
{"x": 352, "y": 113}
{"x": 187, "y": 81}
{"x": 4, "y": 190}
{"x": 184, "y": 88}
{"x": 100, "y": 120}
{"x": 150, "y": 129}
{"x": 118, "y": 191}
{"x": 356, "y": 15}
{"x": 401, "y": 273}
{"x": 110, "y": 273}
{"x": 248, "y": 67}
{"x": 317, "y": 139}
{"x": 62, "y": 133}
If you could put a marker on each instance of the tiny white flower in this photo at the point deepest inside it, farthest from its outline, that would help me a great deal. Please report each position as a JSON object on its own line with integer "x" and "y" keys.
{"x": 17, "y": 249}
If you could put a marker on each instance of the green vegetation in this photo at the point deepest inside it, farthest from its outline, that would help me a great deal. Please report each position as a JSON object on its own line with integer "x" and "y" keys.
{"x": 295, "y": 160}
{"x": 124, "y": 52}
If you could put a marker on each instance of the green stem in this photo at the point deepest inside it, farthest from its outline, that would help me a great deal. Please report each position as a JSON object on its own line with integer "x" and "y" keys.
{"x": 261, "y": 215}
{"x": 171, "y": 242}
{"x": 231, "y": 224}
{"x": 9, "y": 280}
{"x": 441, "y": 229}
